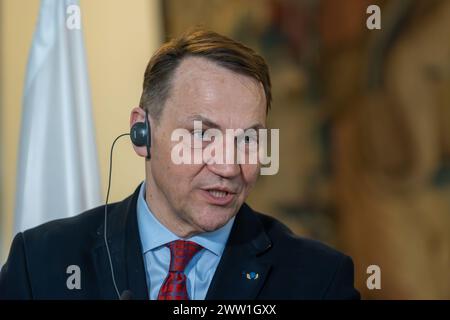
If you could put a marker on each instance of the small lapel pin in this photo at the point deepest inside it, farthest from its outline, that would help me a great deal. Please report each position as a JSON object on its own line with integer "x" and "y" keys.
{"x": 251, "y": 275}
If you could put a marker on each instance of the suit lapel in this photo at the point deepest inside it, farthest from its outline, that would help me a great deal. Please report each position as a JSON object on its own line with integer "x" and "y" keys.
{"x": 136, "y": 274}
{"x": 126, "y": 254}
{"x": 241, "y": 272}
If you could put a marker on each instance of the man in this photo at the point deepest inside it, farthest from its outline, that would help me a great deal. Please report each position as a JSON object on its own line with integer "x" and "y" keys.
{"x": 186, "y": 232}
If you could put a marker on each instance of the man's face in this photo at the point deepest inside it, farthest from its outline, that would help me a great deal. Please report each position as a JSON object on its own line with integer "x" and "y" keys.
{"x": 194, "y": 198}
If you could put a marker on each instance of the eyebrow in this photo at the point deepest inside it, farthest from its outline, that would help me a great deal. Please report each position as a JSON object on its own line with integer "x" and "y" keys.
{"x": 211, "y": 124}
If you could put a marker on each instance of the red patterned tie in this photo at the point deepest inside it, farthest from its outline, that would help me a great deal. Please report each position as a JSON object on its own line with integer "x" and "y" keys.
{"x": 174, "y": 287}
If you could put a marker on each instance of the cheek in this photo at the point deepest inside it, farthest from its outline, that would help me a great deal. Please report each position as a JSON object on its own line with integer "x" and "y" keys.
{"x": 250, "y": 173}
{"x": 179, "y": 179}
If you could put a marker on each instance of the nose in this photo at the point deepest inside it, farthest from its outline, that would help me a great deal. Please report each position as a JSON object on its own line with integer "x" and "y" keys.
{"x": 225, "y": 170}
{"x": 226, "y": 151}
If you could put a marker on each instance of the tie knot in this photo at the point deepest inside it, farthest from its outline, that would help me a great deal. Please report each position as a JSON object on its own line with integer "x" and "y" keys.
{"x": 181, "y": 252}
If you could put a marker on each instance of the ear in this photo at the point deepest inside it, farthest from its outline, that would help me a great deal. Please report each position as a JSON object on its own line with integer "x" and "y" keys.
{"x": 138, "y": 115}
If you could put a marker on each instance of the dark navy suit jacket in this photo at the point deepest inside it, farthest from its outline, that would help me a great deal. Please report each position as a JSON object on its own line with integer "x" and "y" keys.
{"x": 280, "y": 264}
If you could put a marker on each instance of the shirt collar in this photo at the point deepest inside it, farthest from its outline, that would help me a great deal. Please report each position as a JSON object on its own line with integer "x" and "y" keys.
{"x": 154, "y": 234}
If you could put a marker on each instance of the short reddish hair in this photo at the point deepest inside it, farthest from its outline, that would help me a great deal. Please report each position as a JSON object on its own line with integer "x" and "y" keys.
{"x": 222, "y": 50}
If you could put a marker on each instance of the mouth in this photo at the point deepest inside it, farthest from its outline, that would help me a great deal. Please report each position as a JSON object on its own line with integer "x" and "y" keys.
{"x": 218, "y": 193}
{"x": 218, "y": 196}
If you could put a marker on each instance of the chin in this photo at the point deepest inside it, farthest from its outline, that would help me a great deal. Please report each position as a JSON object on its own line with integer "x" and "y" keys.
{"x": 214, "y": 219}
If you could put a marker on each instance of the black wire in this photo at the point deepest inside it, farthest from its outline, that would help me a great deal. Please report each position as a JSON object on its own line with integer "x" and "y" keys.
{"x": 106, "y": 213}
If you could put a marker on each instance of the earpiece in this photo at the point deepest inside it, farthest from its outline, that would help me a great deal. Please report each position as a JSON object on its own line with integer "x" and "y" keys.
{"x": 140, "y": 134}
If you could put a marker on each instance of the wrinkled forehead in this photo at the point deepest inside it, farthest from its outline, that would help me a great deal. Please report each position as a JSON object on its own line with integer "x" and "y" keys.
{"x": 201, "y": 88}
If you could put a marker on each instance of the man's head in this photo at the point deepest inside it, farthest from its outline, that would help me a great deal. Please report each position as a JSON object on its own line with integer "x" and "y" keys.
{"x": 208, "y": 77}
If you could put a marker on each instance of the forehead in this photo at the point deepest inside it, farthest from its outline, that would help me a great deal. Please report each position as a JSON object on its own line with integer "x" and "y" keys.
{"x": 202, "y": 87}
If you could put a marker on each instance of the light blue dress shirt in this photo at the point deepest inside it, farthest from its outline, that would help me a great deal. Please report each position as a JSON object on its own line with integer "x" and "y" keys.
{"x": 200, "y": 270}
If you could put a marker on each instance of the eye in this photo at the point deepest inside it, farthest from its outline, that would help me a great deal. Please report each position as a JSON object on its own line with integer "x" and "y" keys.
{"x": 248, "y": 139}
{"x": 198, "y": 134}
{"x": 201, "y": 138}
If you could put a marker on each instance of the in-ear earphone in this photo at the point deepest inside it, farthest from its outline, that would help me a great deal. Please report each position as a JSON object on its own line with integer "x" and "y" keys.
{"x": 140, "y": 134}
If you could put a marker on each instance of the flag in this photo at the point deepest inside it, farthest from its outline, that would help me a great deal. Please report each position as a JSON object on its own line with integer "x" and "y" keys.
{"x": 57, "y": 173}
